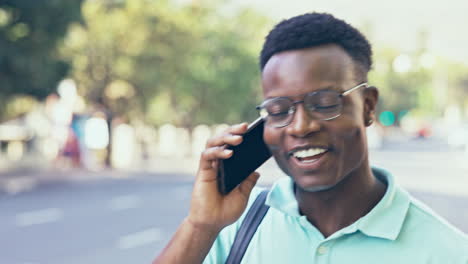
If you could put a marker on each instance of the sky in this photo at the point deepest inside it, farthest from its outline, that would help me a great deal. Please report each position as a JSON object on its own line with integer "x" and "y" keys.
{"x": 395, "y": 23}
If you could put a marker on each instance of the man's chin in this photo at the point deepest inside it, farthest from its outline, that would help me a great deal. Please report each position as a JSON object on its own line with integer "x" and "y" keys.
{"x": 307, "y": 185}
{"x": 314, "y": 188}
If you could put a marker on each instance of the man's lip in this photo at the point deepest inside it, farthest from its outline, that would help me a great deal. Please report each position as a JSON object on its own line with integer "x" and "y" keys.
{"x": 298, "y": 148}
{"x": 318, "y": 163}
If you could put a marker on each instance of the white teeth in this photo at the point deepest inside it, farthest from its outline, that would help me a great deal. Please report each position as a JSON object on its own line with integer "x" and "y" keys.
{"x": 308, "y": 152}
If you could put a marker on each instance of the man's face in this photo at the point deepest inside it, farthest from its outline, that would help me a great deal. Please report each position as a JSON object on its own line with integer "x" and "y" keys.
{"x": 342, "y": 140}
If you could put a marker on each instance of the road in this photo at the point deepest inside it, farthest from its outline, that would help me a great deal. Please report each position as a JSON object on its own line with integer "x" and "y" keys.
{"x": 101, "y": 221}
{"x": 116, "y": 221}
{"x": 129, "y": 219}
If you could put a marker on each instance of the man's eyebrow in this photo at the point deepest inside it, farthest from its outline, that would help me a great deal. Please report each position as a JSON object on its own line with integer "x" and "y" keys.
{"x": 337, "y": 88}
{"x": 330, "y": 87}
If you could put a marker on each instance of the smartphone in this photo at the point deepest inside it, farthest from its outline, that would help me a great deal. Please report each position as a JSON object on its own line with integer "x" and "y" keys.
{"x": 247, "y": 157}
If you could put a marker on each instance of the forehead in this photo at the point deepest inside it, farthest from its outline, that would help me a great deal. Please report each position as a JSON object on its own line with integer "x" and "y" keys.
{"x": 296, "y": 72}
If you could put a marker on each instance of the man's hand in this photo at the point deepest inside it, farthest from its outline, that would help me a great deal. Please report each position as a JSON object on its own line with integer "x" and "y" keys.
{"x": 209, "y": 208}
{"x": 210, "y": 211}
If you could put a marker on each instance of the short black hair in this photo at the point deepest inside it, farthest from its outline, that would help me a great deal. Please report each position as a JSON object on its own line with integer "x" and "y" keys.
{"x": 315, "y": 29}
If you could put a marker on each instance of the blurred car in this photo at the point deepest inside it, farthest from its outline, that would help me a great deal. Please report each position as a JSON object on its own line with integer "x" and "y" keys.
{"x": 15, "y": 137}
{"x": 15, "y": 130}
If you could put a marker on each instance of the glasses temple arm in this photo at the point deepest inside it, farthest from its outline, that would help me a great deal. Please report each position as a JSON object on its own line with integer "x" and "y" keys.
{"x": 354, "y": 88}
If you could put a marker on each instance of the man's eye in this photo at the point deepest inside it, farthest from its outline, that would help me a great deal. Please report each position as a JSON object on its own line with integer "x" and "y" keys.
{"x": 278, "y": 112}
{"x": 326, "y": 107}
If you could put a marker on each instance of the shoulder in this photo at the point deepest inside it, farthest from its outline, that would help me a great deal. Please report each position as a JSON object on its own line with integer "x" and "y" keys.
{"x": 420, "y": 215}
{"x": 432, "y": 233}
{"x": 235, "y": 226}
{"x": 222, "y": 245}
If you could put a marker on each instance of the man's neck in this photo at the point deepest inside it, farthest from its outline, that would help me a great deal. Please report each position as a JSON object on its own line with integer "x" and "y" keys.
{"x": 342, "y": 205}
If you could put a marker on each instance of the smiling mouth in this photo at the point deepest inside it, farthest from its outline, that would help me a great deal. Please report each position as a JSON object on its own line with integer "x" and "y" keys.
{"x": 309, "y": 155}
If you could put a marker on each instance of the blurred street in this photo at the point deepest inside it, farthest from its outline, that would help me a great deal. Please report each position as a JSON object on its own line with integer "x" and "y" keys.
{"x": 127, "y": 217}
{"x": 105, "y": 107}
{"x": 96, "y": 221}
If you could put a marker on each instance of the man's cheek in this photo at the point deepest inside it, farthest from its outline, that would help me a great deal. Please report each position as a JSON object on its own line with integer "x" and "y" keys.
{"x": 348, "y": 129}
{"x": 281, "y": 161}
{"x": 271, "y": 140}
{"x": 273, "y": 143}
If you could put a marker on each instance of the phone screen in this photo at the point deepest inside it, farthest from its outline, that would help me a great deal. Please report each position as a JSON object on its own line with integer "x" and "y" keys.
{"x": 247, "y": 157}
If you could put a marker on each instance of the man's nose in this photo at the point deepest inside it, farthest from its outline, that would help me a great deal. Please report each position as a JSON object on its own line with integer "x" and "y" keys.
{"x": 302, "y": 123}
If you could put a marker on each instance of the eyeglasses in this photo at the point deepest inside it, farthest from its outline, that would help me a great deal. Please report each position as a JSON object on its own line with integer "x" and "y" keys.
{"x": 321, "y": 105}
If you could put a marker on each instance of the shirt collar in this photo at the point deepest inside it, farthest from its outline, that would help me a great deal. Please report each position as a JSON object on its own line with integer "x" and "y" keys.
{"x": 387, "y": 217}
{"x": 385, "y": 220}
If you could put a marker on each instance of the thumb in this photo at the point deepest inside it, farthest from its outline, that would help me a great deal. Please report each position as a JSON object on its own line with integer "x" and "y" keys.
{"x": 247, "y": 185}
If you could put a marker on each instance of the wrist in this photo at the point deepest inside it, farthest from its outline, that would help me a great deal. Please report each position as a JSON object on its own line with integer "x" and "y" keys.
{"x": 205, "y": 228}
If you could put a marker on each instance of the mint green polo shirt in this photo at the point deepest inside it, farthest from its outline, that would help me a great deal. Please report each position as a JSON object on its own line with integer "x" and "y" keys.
{"x": 399, "y": 229}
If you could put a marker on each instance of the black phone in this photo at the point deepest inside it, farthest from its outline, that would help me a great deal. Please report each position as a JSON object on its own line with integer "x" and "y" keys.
{"x": 247, "y": 157}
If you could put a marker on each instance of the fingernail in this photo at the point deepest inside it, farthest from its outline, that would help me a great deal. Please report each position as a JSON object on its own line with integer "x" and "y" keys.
{"x": 236, "y": 137}
{"x": 227, "y": 151}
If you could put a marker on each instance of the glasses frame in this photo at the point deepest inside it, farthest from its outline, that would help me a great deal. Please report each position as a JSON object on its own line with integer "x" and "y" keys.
{"x": 292, "y": 109}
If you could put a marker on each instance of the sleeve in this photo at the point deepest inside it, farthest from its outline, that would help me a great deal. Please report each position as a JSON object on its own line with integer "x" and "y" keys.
{"x": 222, "y": 245}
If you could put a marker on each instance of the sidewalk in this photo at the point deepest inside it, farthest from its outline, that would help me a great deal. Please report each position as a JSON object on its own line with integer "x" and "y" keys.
{"x": 25, "y": 175}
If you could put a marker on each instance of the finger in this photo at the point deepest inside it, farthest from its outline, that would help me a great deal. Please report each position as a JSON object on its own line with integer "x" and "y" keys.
{"x": 214, "y": 164}
{"x": 223, "y": 140}
{"x": 230, "y": 136}
{"x": 211, "y": 155}
{"x": 238, "y": 129}
{"x": 247, "y": 185}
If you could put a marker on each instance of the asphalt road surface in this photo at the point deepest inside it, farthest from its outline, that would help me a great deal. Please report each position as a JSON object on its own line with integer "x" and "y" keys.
{"x": 130, "y": 219}
{"x": 116, "y": 220}
{"x": 103, "y": 221}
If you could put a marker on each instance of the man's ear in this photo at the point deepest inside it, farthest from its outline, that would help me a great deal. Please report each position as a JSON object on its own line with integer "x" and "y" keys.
{"x": 371, "y": 97}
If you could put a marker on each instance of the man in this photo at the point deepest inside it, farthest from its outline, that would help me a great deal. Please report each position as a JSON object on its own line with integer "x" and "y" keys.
{"x": 333, "y": 207}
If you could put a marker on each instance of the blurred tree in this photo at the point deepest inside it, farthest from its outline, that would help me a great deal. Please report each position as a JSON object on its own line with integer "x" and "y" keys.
{"x": 29, "y": 34}
{"x": 220, "y": 78}
{"x": 401, "y": 89}
{"x": 165, "y": 63}
{"x": 180, "y": 64}
{"x": 458, "y": 83}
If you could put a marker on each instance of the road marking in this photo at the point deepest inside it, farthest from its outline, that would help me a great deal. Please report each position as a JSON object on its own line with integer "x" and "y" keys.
{"x": 39, "y": 217}
{"x": 141, "y": 238}
{"x": 124, "y": 202}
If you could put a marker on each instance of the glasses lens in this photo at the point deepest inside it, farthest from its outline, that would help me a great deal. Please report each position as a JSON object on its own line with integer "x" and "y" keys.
{"x": 323, "y": 104}
{"x": 278, "y": 111}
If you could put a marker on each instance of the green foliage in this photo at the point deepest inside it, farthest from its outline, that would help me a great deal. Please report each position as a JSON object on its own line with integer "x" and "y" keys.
{"x": 29, "y": 34}
{"x": 402, "y": 91}
{"x": 185, "y": 65}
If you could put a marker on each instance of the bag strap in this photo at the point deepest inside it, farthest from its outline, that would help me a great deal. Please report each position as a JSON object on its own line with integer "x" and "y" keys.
{"x": 248, "y": 228}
